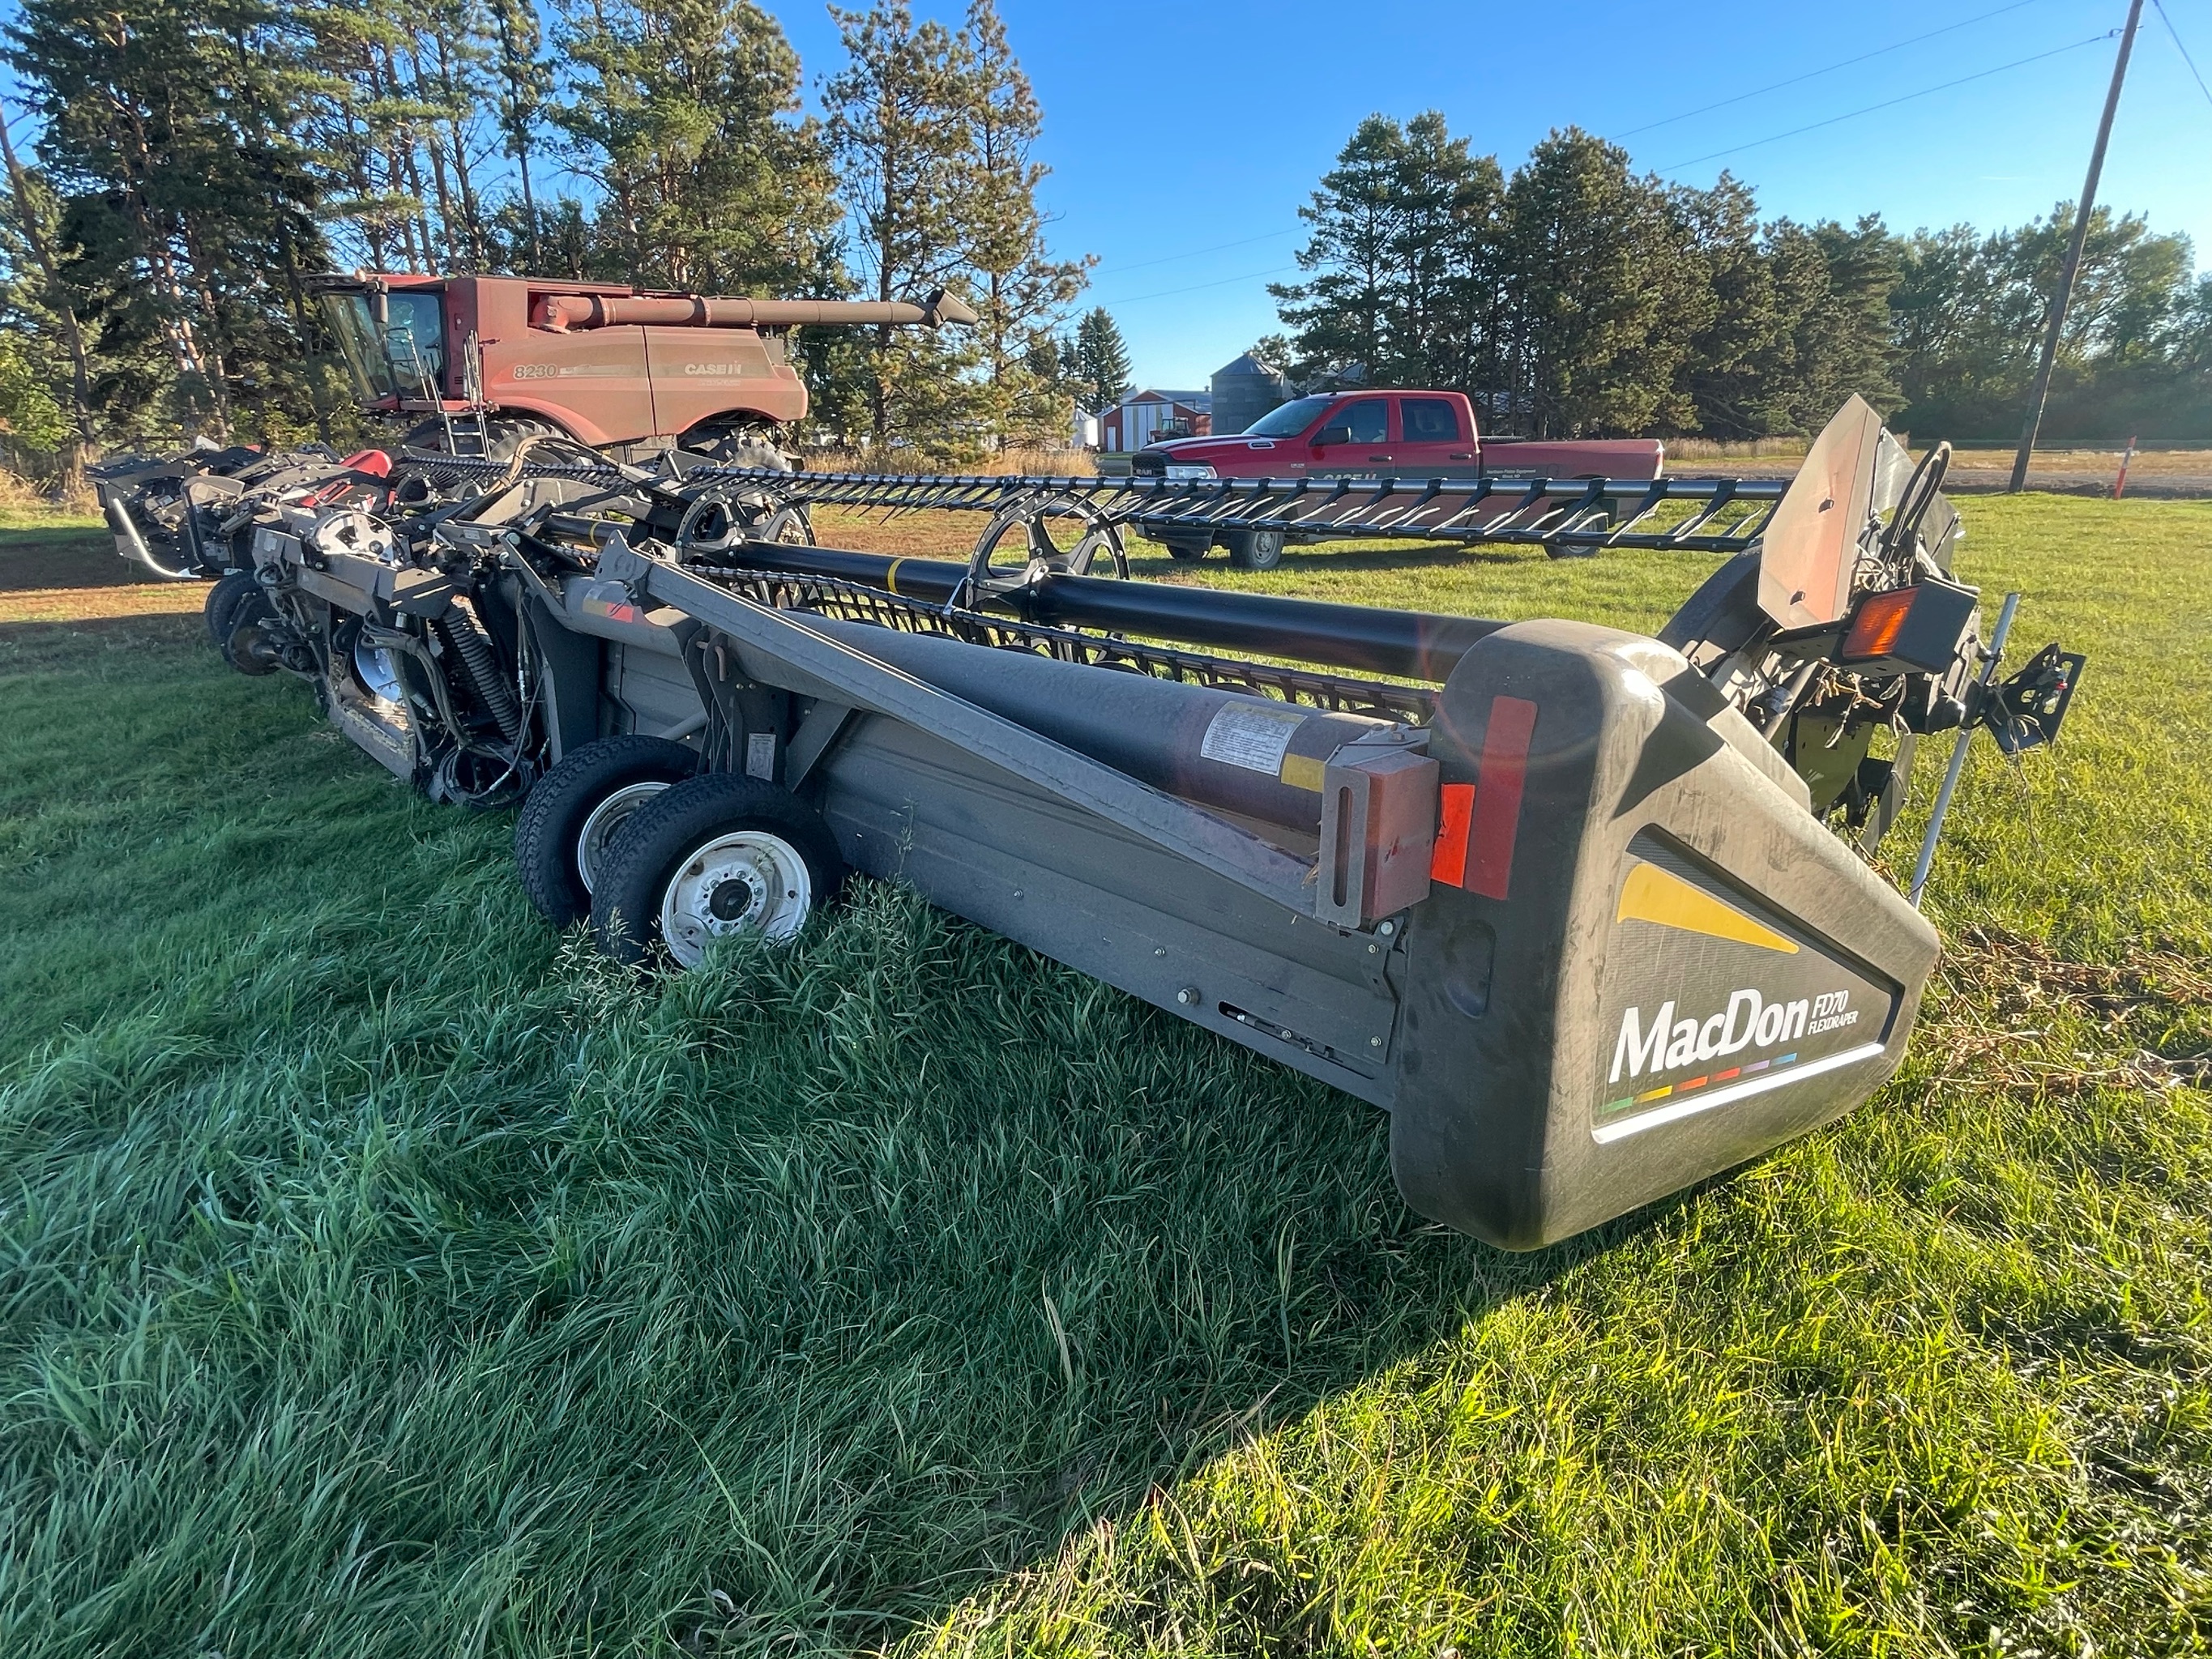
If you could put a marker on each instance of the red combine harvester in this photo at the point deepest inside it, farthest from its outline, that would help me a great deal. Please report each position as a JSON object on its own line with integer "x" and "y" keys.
{"x": 488, "y": 361}
{"x": 478, "y": 365}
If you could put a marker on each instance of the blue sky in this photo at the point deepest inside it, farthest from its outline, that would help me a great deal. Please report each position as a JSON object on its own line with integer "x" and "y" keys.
{"x": 1183, "y": 138}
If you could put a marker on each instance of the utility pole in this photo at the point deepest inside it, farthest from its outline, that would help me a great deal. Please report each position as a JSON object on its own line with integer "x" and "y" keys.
{"x": 2082, "y": 212}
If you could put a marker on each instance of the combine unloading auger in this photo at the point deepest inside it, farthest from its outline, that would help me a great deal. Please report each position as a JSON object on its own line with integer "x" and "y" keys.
{"x": 1569, "y": 901}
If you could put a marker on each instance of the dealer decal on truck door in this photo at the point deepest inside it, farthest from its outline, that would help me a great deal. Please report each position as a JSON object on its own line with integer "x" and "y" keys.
{"x": 1711, "y": 997}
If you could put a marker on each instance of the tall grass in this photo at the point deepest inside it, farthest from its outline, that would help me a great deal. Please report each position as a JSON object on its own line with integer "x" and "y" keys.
{"x": 381, "y": 1274}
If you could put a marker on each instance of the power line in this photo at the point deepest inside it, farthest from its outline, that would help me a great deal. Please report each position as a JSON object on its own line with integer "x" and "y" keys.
{"x": 1830, "y": 69}
{"x": 1890, "y": 103}
{"x": 2176, "y": 35}
{"x": 1249, "y": 275}
{"x": 1192, "y": 253}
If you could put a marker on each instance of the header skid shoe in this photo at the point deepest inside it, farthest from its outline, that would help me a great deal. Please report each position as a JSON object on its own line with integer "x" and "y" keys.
{"x": 1643, "y": 960}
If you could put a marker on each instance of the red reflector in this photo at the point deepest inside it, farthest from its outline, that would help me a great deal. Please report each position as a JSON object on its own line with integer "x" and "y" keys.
{"x": 1879, "y": 619}
{"x": 1497, "y": 819}
{"x": 1448, "y": 863}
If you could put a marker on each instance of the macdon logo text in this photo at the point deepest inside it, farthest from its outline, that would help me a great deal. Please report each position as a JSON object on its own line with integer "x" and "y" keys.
{"x": 1749, "y": 1017}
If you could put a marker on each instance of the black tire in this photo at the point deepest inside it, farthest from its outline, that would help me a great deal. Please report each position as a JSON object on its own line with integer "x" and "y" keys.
{"x": 503, "y": 435}
{"x": 676, "y": 840}
{"x": 1253, "y": 549}
{"x": 246, "y": 615}
{"x": 222, "y": 601}
{"x": 550, "y": 854}
{"x": 1187, "y": 552}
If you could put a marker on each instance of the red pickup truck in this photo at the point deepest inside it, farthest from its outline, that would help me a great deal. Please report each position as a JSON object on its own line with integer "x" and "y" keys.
{"x": 1380, "y": 433}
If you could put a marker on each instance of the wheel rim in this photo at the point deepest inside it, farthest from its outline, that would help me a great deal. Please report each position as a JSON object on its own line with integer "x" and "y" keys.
{"x": 379, "y": 675}
{"x": 747, "y": 880}
{"x": 607, "y": 817}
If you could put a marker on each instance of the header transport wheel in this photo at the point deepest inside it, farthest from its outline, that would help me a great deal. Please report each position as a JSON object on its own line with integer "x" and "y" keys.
{"x": 220, "y": 608}
{"x": 715, "y": 855}
{"x": 572, "y": 817}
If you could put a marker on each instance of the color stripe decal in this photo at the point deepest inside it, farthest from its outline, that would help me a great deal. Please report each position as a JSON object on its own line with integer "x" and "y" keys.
{"x": 890, "y": 576}
{"x": 1703, "y": 1100}
{"x": 1496, "y": 818}
{"x": 1448, "y": 863}
{"x": 1651, "y": 894}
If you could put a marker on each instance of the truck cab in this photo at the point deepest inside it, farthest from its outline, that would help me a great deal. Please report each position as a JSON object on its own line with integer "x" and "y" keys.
{"x": 1390, "y": 433}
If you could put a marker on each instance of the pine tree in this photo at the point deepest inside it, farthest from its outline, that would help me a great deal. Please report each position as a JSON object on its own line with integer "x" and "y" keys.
{"x": 684, "y": 109}
{"x": 1403, "y": 254}
{"x": 1102, "y": 361}
{"x": 1021, "y": 291}
{"x": 1606, "y": 293}
{"x": 898, "y": 127}
{"x": 525, "y": 82}
{"x": 169, "y": 138}
{"x": 48, "y": 297}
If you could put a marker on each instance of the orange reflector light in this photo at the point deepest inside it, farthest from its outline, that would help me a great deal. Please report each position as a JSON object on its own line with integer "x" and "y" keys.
{"x": 1880, "y": 620}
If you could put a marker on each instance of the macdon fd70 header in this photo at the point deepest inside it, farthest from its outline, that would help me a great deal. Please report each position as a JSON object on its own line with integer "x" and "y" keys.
{"x": 1569, "y": 902}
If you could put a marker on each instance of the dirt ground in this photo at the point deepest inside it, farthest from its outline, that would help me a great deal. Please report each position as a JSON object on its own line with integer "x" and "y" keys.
{"x": 68, "y": 571}
{"x": 2154, "y": 474}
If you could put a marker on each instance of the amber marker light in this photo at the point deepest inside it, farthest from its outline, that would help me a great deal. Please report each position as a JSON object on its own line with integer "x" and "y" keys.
{"x": 1874, "y": 629}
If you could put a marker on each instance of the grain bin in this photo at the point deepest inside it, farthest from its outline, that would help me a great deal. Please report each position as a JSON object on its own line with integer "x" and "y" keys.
{"x": 1244, "y": 390}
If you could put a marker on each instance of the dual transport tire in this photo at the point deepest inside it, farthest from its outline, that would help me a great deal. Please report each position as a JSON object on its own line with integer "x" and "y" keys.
{"x": 571, "y": 817}
{"x": 662, "y": 857}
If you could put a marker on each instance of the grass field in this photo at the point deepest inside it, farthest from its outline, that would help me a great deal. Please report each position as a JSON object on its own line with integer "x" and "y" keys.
{"x": 379, "y": 1274}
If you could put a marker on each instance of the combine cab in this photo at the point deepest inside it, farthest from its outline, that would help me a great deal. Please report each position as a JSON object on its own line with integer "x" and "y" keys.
{"x": 484, "y": 361}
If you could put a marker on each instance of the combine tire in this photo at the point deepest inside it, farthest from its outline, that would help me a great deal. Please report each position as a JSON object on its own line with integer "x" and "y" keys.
{"x": 714, "y": 855}
{"x": 570, "y": 817}
{"x": 1254, "y": 549}
{"x": 223, "y": 599}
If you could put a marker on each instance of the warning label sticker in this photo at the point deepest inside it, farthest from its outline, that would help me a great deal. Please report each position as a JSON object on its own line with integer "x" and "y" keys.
{"x": 1254, "y": 738}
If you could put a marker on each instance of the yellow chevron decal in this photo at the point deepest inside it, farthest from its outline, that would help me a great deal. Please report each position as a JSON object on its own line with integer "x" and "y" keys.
{"x": 1653, "y": 895}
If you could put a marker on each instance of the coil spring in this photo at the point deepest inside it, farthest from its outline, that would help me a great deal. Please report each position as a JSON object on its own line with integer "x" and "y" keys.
{"x": 459, "y": 631}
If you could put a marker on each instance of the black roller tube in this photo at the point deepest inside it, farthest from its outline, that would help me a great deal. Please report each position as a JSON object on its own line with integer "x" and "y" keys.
{"x": 1418, "y": 644}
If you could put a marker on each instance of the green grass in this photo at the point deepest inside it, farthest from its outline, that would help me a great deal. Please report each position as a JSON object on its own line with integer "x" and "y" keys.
{"x": 379, "y": 1274}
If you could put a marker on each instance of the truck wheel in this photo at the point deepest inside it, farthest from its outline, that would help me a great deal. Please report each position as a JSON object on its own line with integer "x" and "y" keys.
{"x": 571, "y": 815}
{"x": 1253, "y": 549}
{"x": 223, "y": 599}
{"x": 712, "y": 856}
